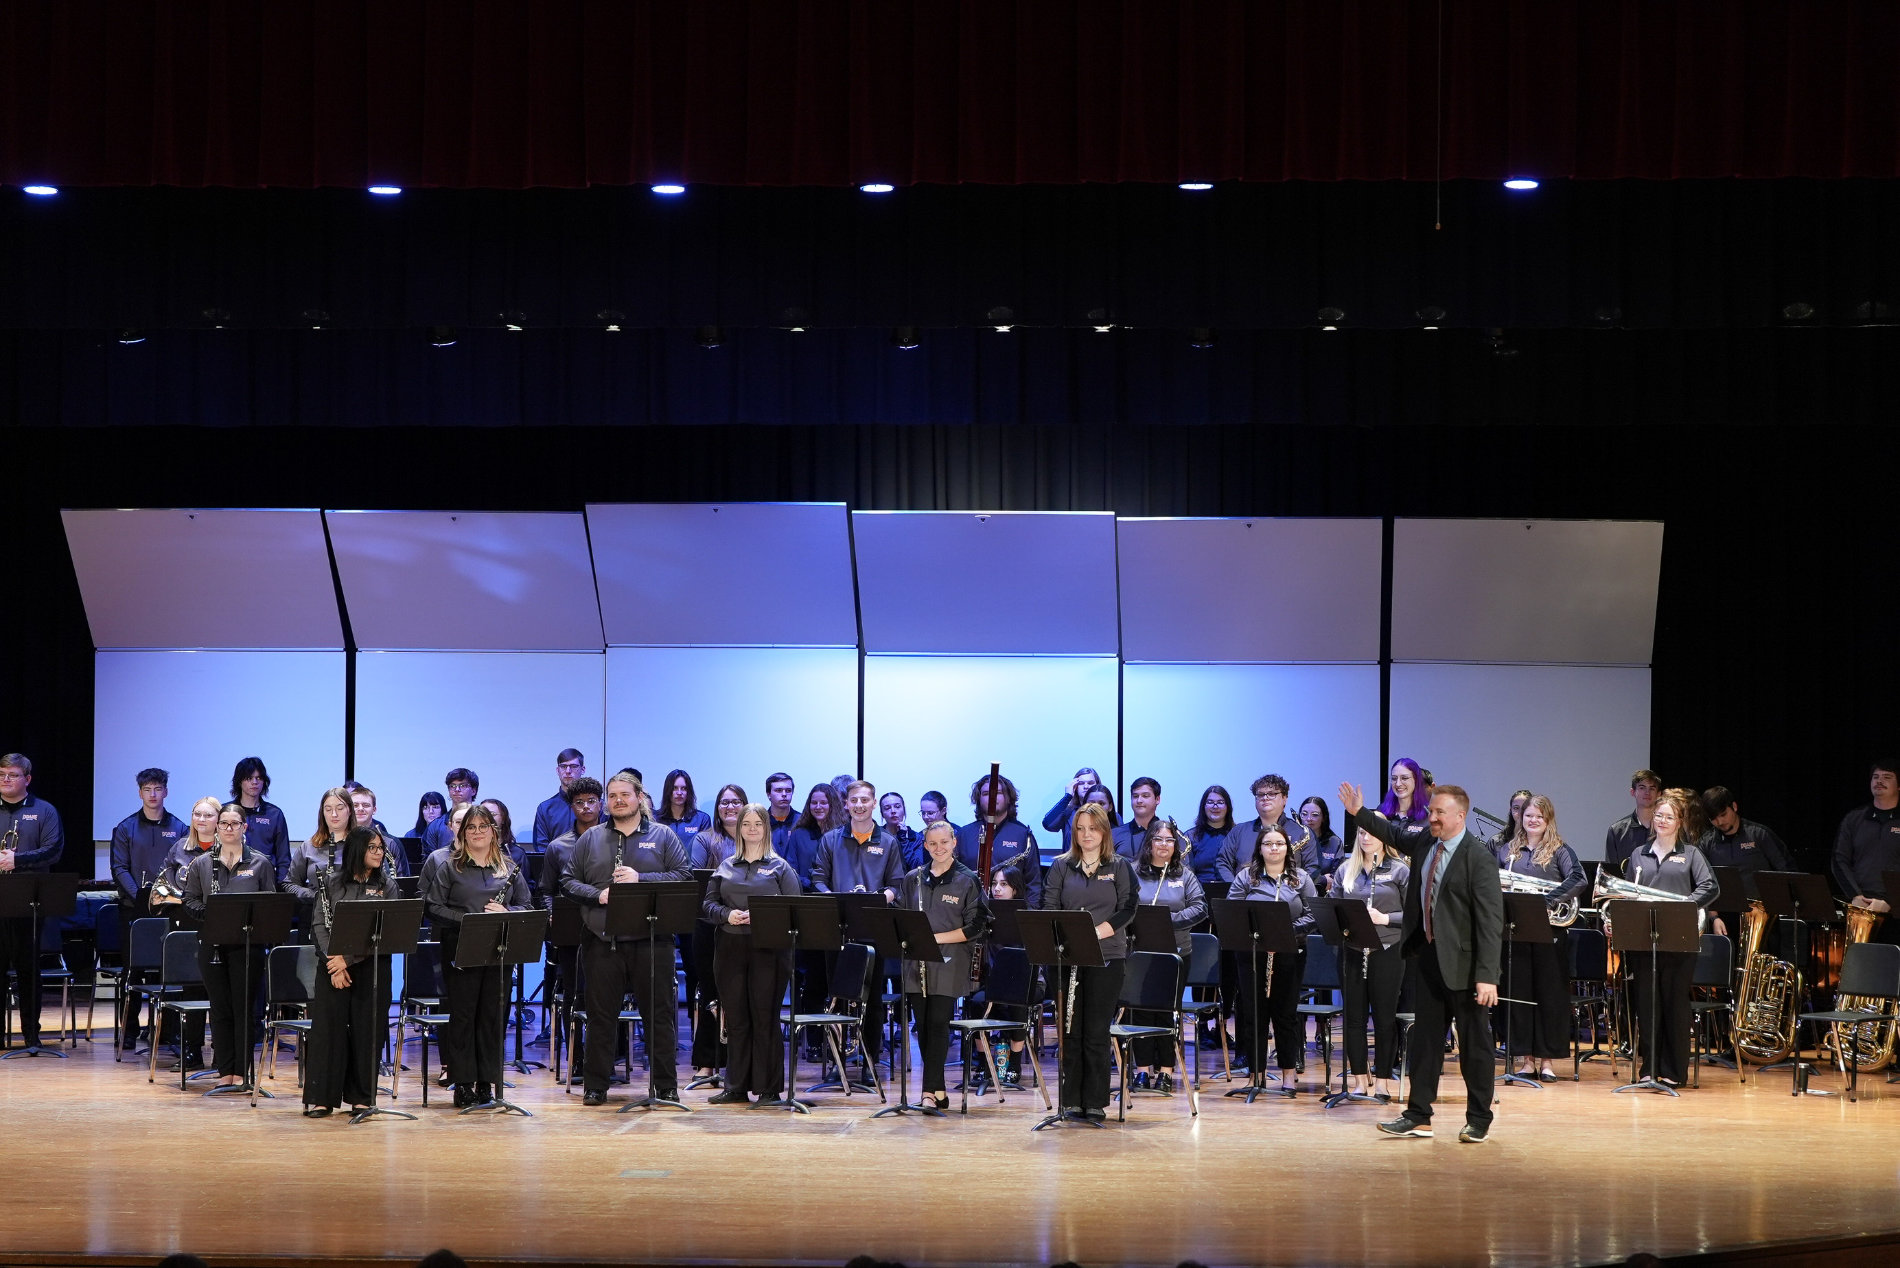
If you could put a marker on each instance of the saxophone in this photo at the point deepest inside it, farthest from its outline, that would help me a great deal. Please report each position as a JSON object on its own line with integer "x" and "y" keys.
{"x": 1766, "y": 1001}
{"x": 1869, "y": 1044}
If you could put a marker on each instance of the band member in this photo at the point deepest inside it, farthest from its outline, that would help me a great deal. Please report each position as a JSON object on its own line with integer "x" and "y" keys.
{"x": 933, "y": 806}
{"x": 952, "y": 896}
{"x": 779, "y": 789}
{"x": 710, "y": 848}
{"x": 30, "y": 841}
{"x": 1407, "y": 791}
{"x": 473, "y": 875}
{"x": 1541, "y": 1031}
{"x": 1269, "y": 803}
{"x": 1667, "y": 863}
{"x": 800, "y": 845}
{"x": 751, "y": 980}
{"x": 1057, "y": 820}
{"x": 861, "y": 858}
{"x": 1868, "y": 844}
{"x": 462, "y": 784}
{"x": 1091, "y": 877}
{"x": 1632, "y": 832}
{"x": 1164, "y": 880}
{"x": 168, "y": 900}
{"x": 236, "y": 989}
{"x": 1271, "y": 875}
{"x": 323, "y": 849}
{"x": 626, "y": 850}
{"x": 1006, "y": 883}
{"x": 1012, "y": 839}
{"x": 1454, "y": 928}
{"x": 679, "y": 807}
{"x": 1500, "y": 841}
{"x": 1144, "y": 801}
{"x": 430, "y": 807}
{"x": 584, "y": 796}
{"x": 891, "y": 807}
{"x": 265, "y": 828}
{"x": 141, "y": 843}
{"x": 363, "y": 815}
{"x": 1208, "y": 838}
{"x": 553, "y": 817}
{"x": 347, "y": 1020}
{"x": 1733, "y": 841}
{"x": 1370, "y": 980}
{"x": 505, "y": 835}
{"x": 1317, "y": 818}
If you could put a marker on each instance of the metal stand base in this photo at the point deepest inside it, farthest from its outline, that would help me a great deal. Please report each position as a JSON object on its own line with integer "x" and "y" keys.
{"x": 33, "y": 1050}
{"x": 710, "y": 1080}
{"x": 1341, "y": 1098}
{"x": 652, "y": 1102}
{"x": 791, "y": 1103}
{"x": 241, "y": 1089}
{"x": 1064, "y": 1118}
{"x": 376, "y": 1111}
{"x": 500, "y": 1105}
{"x": 1649, "y": 1085}
{"x": 1521, "y": 1080}
{"x": 905, "y": 1107}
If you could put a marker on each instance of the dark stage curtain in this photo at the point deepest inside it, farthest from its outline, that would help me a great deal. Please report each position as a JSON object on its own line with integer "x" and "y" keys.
{"x": 1775, "y": 620}
{"x": 513, "y": 94}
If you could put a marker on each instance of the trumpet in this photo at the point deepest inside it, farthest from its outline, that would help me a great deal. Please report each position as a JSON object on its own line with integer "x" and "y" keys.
{"x": 1563, "y": 914}
{"x": 1611, "y": 889}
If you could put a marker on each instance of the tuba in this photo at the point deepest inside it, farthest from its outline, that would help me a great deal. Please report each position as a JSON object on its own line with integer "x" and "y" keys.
{"x": 1767, "y": 1001}
{"x": 1562, "y": 914}
{"x": 1870, "y": 1044}
{"x": 1610, "y": 889}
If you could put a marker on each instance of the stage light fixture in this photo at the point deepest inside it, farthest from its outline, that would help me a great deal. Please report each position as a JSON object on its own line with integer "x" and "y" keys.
{"x": 1002, "y": 319}
{"x": 1200, "y": 337}
{"x": 794, "y": 320}
{"x": 385, "y": 191}
{"x": 1874, "y": 312}
{"x": 610, "y": 319}
{"x": 1800, "y": 310}
{"x": 670, "y": 191}
{"x": 1329, "y": 318}
{"x": 218, "y": 317}
{"x": 1494, "y": 339}
{"x": 905, "y": 337}
{"x": 1102, "y": 319}
{"x": 514, "y": 319}
{"x": 441, "y": 336}
{"x": 130, "y": 336}
{"x": 40, "y": 191}
{"x": 316, "y": 318}
{"x": 1607, "y": 314}
{"x": 1430, "y": 317}
{"x": 1196, "y": 187}
{"x": 710, "y": 336}
{"x": 876, "y": 187}
{"x": 1520, "y": 184}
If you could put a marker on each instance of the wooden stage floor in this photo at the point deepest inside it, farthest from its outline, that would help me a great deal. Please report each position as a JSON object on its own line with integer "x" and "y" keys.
{"x": 101, "y": 1163}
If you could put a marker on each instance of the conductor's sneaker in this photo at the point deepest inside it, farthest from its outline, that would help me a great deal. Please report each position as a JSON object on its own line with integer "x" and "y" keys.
{"x": 731, "y": 1096}
{"x": 1472, "y": 1134}
{"x": 596, "y": 1096}
{"x": 1405, "y": 1125}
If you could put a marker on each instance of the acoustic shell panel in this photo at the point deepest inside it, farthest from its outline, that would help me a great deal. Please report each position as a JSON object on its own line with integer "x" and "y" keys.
{"x": 1249, "y": 590}
{"x": 464, "y": 581}
{"x": 166, "y": 579}
{"x": 732, "y": 574}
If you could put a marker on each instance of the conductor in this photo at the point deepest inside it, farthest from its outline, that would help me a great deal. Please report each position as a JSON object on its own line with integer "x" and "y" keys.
{"x": 1454, "y": 927}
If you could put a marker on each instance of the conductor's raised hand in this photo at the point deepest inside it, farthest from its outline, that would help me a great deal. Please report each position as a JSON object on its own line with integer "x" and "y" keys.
{"x": 1351, "y": 798}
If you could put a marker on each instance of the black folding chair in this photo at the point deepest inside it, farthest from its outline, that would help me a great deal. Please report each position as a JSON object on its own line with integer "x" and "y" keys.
{"x": 1870, "y": 970}
{"x": 422, "y": 1009}
{"x": 177, "y": 969}
{"x": 55, "y": 971}
{"x": 1715, "y": 975}
{"x": 843, "y": 1027}
{"x": 108, "y": 946}
{"x": 290, "y": 981}
{"x": 1321, "y": 977}
{"x": 1590, "y": 1002}
{"x": 145, "y": 946}
{"x": 1151, "y": 982}
{"x": 1007, "y": 983}
{"x": 1203, "y": 973}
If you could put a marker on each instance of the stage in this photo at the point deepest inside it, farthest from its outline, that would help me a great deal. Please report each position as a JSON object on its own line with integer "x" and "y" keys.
{"x": 125, "y": 1170}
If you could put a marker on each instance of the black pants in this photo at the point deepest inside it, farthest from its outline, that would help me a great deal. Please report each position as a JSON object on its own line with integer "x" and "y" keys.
{"x": 1666, "y": 1050}
{"x": 751, "y": 984}
{"x": 703, "y": 989}
{"x": 477, "y": 1017}
{"x": 346, "y": 1037}
{"x": 1535, "y": 971}
{"x": 614, "y": 969}
{"x": 1437, "y": 1006}
{"x": 933, "y": 1034}
{"x": 20, "y": 951}
{"x": 233, "y": 1005}
{"x": 1280, "y": 1000}
{"x": 1085, "y": 1055}
{"x": 1371, "y": 983}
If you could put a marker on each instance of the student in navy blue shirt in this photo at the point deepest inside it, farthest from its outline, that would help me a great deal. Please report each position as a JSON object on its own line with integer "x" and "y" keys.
{"x": 363, "y": 815}
{"x": 143, "y": 840}
{"x": 933, "y": 807}
{"x": 505, "y": 837}
{"x": 1057, "y": 820}
{"x": 36, "y": 848}
{"x": 265, "y": 829}
{"x": 1012, "y": 838}
{"x": 552, "y": 817}
{"x": 779, "y": 789}
{"x": 462, "y": 784}
{"x": 1213, "y": 824}
{"x": 1144, "y": 802}
{"x": 1317, "y": 818}
{"x": 891, "y": 807}
{"x": 1100, "y": 796}
{"x": 800, "y": 849}
{"x": 679, "y": 807}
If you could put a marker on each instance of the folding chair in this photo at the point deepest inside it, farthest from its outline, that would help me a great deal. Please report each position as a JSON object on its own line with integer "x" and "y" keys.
{"x": 52, "y": 948}
{"x": 1204, "y": 972}
{"x": 290, "y": 978}
{"x": 177, "y": 969}
{"x": 1870, "y": 970}
{"x": 422, "y": 1002}
{"x": 843, "y": 1027}
{"x": 1009, "y": 983}
{"x": 1590, "y": 1002}
{"x": 1151, "y": 982}
{"x": 108, "y": 945}
{"x": 1715, "y": 972}
{"x": 1321, "y": 976}
{"x": 145, "y": 945}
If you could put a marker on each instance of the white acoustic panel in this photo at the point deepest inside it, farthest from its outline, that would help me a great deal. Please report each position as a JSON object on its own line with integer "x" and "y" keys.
{"x": 1571, "y": 732}
{"x": 463, "y": 581}
{"x": 165, "y": 579}
{"x": 1190, "y": 726}
{"x": 1025, "y": 582}
{"x": 196, "y": 714}
{"x": 699, "y": 575}
{"x": 1239, "y": 590}
{"x": 939, "y": 721}
{"x": 733, "y": 715}
{"x": 1566, "y": 592}
{"x": 503, "y": 715}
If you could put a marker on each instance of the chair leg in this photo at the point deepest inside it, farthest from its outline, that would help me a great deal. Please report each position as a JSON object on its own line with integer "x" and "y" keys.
{"x": 1193, "y": 1077}
{"x": 1035, "y": 1066}
{"x": 151, "y": 1073}
{"x": 989, "y": 1061}
{"x": 834, "y": 1041}
{"x": 1121, "y": 1081}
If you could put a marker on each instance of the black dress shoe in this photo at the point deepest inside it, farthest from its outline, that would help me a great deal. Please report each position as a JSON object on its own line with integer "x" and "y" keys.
{"x": 731, "y": 1096}
{"x": 594, "y": 1098}
{"x": 316, "y": 1111}
{"x": 1099, "y": 1115}
{"x": 671, "y": 1095}
{"x": 484, "y": 1093}
{"x": 464, "y": 1095}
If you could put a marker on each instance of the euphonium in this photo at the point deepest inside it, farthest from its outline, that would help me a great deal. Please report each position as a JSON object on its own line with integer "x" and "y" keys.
{"x": 1766, "y": 1002}
{"x": 1610, "y": 889}
{"x": 1562, "y": 915}
{"x": 1871, "y": 1043}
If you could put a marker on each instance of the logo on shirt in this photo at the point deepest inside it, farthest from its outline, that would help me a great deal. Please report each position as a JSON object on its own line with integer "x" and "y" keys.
{"x": 168, "y": 835}
{"x": 31, "y": 818}
{"x": 952, "y": 899}
{"x": 874, "y": 849}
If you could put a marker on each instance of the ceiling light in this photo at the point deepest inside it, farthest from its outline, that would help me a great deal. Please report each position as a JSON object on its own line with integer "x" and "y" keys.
{"x": 1196, "y": 187}
{"x": 1002, "y": 319}
{"x": 669, "y": 190}
{"x": 1520, "y": 183}
{"x": 442, "y": 336}
{"x": 41, "y": 191}
{"x": 1329, "y": 318}
{"x": 385, "y": 191}
{"x": 1200, "y": 337}
{"x": 710, "y": 336}
{"x": 131, "y": 336}
{"x": 876, "y": 187}
{"x": 905, "y": 337}
{"x": 610, "y": 319}
{"x": 1800, "y": 310}
{"x": 514, "y": 319}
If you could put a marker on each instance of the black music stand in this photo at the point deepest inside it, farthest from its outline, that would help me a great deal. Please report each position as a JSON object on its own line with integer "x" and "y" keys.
{"x": 1639, "y": 927}
{"x": 1061, "y": 939}
{"x": 1153, "y": 929}
{"x": 660, "y": 910}
{"x": 566, "y": 932}
{"x": 1003, "y": 930}
{"x": 38, "y": 895}
{"x": 234, "y": 922}
{"x": 1250, "y": 928}
{"x": 900, "y": 934}
{"x": 1345, "y": 923}
{"x": 376, "y": 928}
{"x": 791, "y": 922}
{"x": 500, "y": 940}
{"x": 1527, "y": 922}
{"x": 1804, "y": 899}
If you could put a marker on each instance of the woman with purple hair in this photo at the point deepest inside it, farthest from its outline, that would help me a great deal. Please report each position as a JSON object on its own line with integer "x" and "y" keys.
{"x": 1407, "y": 794}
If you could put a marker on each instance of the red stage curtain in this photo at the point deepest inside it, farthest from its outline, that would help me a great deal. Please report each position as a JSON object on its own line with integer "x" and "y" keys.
{"x": 516, "y": 93}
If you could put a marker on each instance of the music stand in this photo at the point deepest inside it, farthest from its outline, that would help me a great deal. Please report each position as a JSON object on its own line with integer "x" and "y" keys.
{"x": 1344, "y": 923}
{"x": 1250, "y": 928}
{"x": 898, "y": 933}
{"x": 1061, "y": 939}
{"x": 1153, "y": 929}
{"x": 1786, "y": 896}
{"x": 1003, "y": 930}
{"x": 566, "y": 932}
{"x": 788, "y": 922}
{"x": 1650, "y": 927}
{"x": 38, "y": 895}
{"x": 500, "y": 940}
{"x": 237, "y": 921}
{"x": 1526, "y": 921}
{"x": 376, "y": 928}
{"x": 654, "y": 910}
